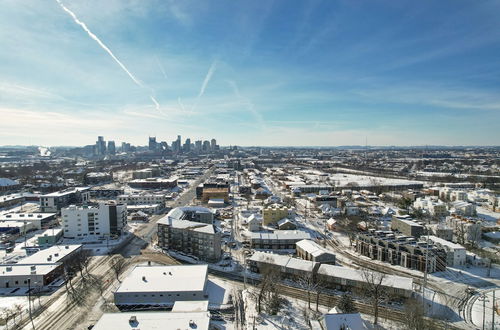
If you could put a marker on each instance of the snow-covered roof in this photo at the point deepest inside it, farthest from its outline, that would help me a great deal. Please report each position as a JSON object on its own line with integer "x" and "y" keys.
{"x": 154, "y": 320}
{"x": 282, "y": 235}
{"x": 4, "y": 182}
{"x": 393, "y": 281}
{"x": 183, "y": 278}
{"x": 190, "y": 306}
{"x": 283, "y": 261}
{"x": 331, "y": 221}
{"x": 186, "y": 224}
{"x": 311, "y": 247}
{"x": 25, "y": 216}
{"x": 23, "y": 270}
{"x": 444, "y": 242}
{"x": 335, "y": 321}
{"x": 53, "y": 254}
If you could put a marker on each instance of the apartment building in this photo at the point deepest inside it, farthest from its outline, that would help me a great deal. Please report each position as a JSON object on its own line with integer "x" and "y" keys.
{"x": 193, "y": 213}
{"x": 466, "y": 230}
{"x": 406, "y": 226}
{"x": 141, "y": 199}
{"x": 277, "y": 240}
{"x": 106, "y": 219}
{"x": 401, "y": 250}
{"x": 463, "y": 208}
{"x": 201, "y": 240}
{"x": 273, "y": 213}
{"x": 432, "y": 205}
{"x": 146, "y": 173}
{"x": 153, "y": 183}
{"x": 55, "y": 201}
{"x": 455, "y": 253}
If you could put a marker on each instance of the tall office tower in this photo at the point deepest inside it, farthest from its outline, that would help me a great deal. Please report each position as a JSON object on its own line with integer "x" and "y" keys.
{"x": 187, "y": 145}
{"x": 213, "y": 143}
{"x": 100, "y": 146}
{"x": 175, "y": 148}
{"x": 198, "y": 146}
{"x": 111, "y": 147}
{"x": 125, "y": 147}
{"x": 206, "y": 145}
{"x": 152, "y": 143}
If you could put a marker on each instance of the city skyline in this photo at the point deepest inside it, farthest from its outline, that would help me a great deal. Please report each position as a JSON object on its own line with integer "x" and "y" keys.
{"x": 317, "y": 73}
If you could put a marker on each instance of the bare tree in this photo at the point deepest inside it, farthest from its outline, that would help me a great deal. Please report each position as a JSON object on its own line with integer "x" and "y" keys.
{"x": 414, "y": 319}
{"x": 346, "y": 304}
{"x": 83, "y": 258}
{"x": 375, "y": 289}
{"x": 320, "y": 286}
{"x": 118, "y": 265}
{"x": 6, "y": 315}
{"x": 18, "y": 309}
{"x": 268, "y": 287}
{"x": 309, "y": 283}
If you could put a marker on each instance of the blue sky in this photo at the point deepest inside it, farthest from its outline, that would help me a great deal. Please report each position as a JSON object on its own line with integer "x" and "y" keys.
{"x": 250, "y": 72}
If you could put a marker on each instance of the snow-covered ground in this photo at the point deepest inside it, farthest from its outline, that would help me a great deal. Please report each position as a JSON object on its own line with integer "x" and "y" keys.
{"x": 342, "y": 180}
{"x": 484, "y": 305}
{"x": 487, "y": 215}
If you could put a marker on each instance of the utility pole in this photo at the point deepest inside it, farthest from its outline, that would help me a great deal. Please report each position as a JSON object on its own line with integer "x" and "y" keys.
{"x": 426, "y": 269}
{"x": 483, "y": 298}
{"x": 493, "y": 311}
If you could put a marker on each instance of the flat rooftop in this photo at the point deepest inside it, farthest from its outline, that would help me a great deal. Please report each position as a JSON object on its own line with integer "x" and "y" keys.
{"x": 154, "y": 321}
{"x": 66, "y": 192}
{"x": 182, "y": 278}
{"x": 23, "y": 270}
{"x": 25, "y": 216}
{"x": 282, "y": 235}
{"x": 51, "y": 255}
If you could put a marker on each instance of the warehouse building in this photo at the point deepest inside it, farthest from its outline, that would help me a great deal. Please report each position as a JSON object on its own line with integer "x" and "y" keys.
{"x": 162, "y": 286}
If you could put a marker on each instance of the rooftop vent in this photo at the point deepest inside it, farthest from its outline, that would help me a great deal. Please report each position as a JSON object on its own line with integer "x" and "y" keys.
{"x": 144, "y": 278}
{"x": 133, "y": 320}
{"x": 169, "y": 273}
{"x": 192, "y": 324}
{"x": 67, "y": 247}
{"x": 9, "y": 268}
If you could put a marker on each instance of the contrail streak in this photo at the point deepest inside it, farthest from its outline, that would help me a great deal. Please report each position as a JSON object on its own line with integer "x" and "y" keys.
{"x": 162, "y": 69}
{"x": 204, "y": 85}
{"x": 103, "y": 46}
{"x": 207, "y": 78}
{"x": 180, "y": 104}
